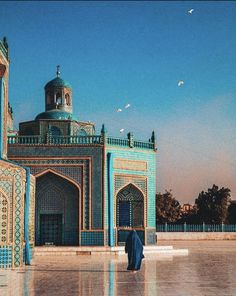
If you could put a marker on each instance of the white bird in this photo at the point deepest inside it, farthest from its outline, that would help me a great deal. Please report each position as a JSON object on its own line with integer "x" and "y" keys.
{"x": 122, "y": 130}
{"x": 127, "y": 106}
{"x": 190, "y": 11}
{"x": 180, "y": 82}
{"x": 118, "y": 110}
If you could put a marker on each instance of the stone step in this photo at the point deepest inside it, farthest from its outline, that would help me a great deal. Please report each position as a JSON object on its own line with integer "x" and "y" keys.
{"x": 97, "y": 248}
{"x": 71, "y": 251}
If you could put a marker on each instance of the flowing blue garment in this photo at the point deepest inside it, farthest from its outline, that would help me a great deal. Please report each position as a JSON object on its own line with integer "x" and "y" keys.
{"x": 134, "y": 248}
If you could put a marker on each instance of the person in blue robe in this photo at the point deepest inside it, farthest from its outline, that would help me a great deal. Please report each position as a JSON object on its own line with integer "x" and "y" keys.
{"x": 134, "y": 248}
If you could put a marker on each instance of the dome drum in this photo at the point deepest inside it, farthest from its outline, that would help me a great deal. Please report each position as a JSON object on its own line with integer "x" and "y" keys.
{"x": 58, "y": 94}
{"x": 59, "y": 99}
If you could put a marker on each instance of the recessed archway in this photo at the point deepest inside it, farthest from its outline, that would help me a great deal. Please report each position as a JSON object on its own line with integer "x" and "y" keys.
{"x": 130, "y": 207}
{"x": 56, "y": 210}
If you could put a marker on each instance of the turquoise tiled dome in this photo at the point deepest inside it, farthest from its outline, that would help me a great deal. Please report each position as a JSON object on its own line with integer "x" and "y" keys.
{"x": 55, "y": 114}
{"x": 58, "y": 82}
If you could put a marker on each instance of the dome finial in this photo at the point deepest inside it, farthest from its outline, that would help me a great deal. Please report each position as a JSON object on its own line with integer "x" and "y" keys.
{"x": 58, "y": 71}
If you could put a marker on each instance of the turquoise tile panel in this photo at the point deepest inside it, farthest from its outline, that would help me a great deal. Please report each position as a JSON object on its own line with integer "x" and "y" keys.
{"x": 5, "y": 256}
{"x": 137, "y": 154}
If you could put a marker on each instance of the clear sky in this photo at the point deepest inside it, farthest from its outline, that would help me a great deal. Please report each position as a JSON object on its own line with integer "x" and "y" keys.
{"x": 114, "y": 53}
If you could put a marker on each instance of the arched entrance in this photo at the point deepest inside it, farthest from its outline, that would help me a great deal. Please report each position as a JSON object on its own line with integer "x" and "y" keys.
{"x": 56, "y": 211}
{"x": 129, "y": 212}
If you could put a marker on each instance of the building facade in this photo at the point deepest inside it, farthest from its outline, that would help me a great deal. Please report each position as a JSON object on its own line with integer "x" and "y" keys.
{"x": 90, "y": 188}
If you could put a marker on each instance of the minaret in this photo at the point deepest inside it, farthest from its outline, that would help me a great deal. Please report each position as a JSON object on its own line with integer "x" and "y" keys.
{"x": 4, "y": 65}
{"x": 58, "y": 94}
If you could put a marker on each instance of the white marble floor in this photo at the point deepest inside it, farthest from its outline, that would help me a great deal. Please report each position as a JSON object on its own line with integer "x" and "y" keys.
{"x": 208, "y": 270}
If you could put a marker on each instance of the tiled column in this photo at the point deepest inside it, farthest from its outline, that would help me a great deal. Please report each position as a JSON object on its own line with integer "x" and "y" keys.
{"x": 26, "y": 218}
{"x": 110, "y": 200}
{"x": 2, "y": 72}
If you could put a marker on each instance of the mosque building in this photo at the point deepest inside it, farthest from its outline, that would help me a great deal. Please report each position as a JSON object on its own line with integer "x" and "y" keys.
{"x": 83, "y": 188}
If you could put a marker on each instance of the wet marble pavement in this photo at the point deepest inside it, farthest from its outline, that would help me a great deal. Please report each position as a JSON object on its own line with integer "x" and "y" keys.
{"x": 209, "y": 269}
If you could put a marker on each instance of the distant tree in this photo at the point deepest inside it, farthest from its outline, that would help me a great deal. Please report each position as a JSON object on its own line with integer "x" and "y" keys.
{"x": 232, "y": 213}
{"x": 168, "y": 208}
{"x": 212, "y": 206}
{"x": 190, "y": 217}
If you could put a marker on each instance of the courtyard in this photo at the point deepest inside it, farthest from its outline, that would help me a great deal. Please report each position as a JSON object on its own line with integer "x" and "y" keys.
{"x": 209, "y": 269}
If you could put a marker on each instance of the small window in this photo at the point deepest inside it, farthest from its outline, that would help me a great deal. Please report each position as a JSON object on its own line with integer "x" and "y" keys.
{"x": 58, "y": 99}
{"x": 67, "y": 99}
{"x": 55, "y": 131}
{"x": 49, "y": 98}
{"x": 81, "y": 132}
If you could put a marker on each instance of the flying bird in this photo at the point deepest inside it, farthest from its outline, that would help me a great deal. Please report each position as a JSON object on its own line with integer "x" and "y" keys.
{"x": 180, "y": 83}
{"x": 122, "y": 130}
{"x": 190, "y": 11}
{"x": 127, "y": 106}
{"x": 118, "y": 110}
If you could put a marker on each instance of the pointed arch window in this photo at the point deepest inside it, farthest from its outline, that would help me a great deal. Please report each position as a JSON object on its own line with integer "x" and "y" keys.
{"x": 58, "y": 99}
{"x": 67, "y": 99}
{"x": 130, "y": 207}
{"x": 55, "y": 131}
{"x": 81, "y": 132}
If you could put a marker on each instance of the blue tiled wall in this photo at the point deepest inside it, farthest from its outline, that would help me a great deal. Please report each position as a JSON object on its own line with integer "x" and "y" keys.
{"x": 137, "y": 154}
{"x": 148, "y": 156}
{"x": 92, "y": 238}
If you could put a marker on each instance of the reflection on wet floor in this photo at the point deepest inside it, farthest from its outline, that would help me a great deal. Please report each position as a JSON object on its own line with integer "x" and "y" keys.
{"x": 209, "y": 269}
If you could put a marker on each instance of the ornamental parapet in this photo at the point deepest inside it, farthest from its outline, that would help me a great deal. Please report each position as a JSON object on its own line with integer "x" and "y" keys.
{"x": 54, "y": 140}
{"x": 127, "y": 143}
{"x": 79, "y": 140}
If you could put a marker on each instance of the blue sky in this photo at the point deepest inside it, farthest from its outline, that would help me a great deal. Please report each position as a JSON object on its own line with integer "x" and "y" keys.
{"x": 114, "y": 53}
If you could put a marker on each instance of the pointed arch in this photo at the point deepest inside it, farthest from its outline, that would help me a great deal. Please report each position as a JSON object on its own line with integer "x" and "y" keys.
{"x": 81, "y": 132}
{"x": 130, "y": 207}
{"x": 58, "y": 174}
{"x": 58, "y": 207}
{"x": 67, "y": 99}
{"x": 58, "y": 98}
{"x": 133, "y": 184}
{"x": 55, "y": 131}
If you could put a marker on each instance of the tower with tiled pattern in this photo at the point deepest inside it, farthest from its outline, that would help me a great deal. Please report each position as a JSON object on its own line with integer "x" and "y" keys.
{"x": 16, "y": 189}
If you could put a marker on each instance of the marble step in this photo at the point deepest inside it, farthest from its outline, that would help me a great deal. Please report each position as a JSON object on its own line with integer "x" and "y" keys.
{"x": 70, "y": 251}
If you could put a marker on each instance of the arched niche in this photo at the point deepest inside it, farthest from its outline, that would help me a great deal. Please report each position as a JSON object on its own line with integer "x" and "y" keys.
{"x": 56, "y": 210}
{"x": 130, "y": 207}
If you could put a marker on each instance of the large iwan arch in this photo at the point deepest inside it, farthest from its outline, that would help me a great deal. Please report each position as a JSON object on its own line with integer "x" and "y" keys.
{"x": 57, "y": 210}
